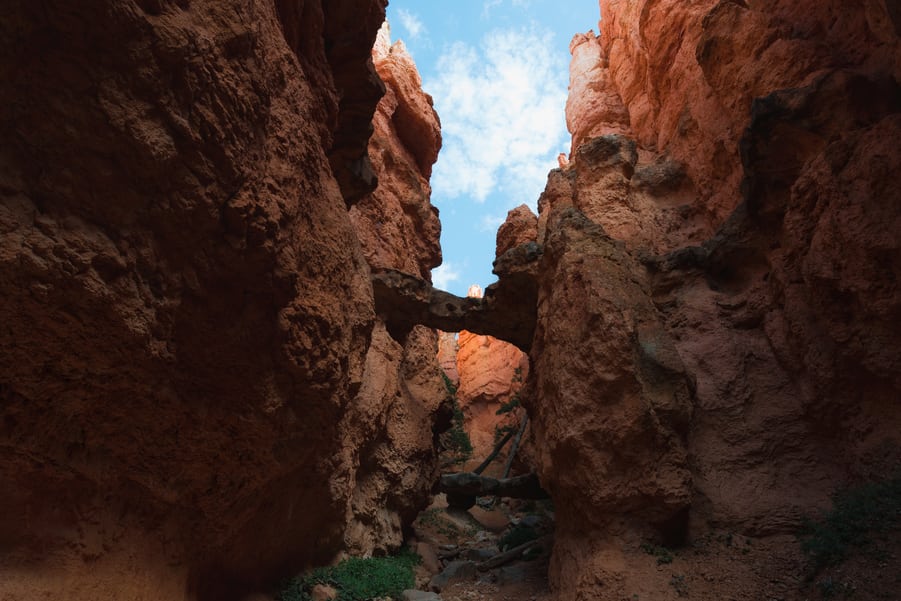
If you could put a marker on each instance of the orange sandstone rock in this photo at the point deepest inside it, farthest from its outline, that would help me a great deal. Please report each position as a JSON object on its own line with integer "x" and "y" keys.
{"x": 687, "y": 72}
{"x": 593, "y": 107}
{"x": 398, "y": 228}
{"x": 447, "y": 356}
{"x": 729, "y": 257}
{"x": 397, "y": 225}
{"x": 491, "y": 373}
{"x": 520, "y": 227}
{"x": 391, "y": 419}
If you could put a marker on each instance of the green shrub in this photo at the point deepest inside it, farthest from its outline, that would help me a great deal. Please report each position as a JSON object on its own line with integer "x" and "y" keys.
{"x": 678, "y": 582}
{"x": 509, "y": 405}
{"x": 663, "y": 555}
{"x": 358, "y": 579}
{"x": 860, "y": 517}
{"x": 455, "y": 441}
{"x": 448, "y": 385}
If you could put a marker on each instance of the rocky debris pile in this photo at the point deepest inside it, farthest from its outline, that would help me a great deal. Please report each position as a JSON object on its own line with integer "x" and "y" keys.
{"x": 498, "y": 551}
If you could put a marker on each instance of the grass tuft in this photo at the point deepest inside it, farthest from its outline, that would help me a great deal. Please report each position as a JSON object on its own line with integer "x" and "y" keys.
{"x": 358, "y": 579}
{"x": 861, "y": 517}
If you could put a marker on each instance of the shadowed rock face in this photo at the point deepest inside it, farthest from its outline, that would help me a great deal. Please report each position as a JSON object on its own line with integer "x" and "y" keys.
{"x": 619, "y": 408}
{"x": 730, "y": 189}
{"x": 203, "y": 387}
{"x": 507, "y": 310}
{"x": 186, "y": 306}
{"x": 334, "y": 35}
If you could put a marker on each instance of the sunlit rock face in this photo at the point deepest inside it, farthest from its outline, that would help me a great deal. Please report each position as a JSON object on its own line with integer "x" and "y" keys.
{"x": 491, "y": 373}
{"x": 394, "y": 413}
{"x": 687, "y": 73}
{"x": 447, "y": 356}
{"x": 717, "y": 277}
{"x": 397, "y": 225}
{"x": 594, "y": 106}
{"x": 190, "y": 356}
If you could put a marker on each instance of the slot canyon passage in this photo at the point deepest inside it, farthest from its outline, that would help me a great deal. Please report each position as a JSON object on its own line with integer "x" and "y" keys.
{"x": 219, "y": 360}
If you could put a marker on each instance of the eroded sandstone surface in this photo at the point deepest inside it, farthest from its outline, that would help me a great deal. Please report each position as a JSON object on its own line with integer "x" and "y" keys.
{"x": 491, "y": 374}
{"x": 718, "y": 288}
{"x": 216, "y": 366}
{"x": 393, "y": 417}
{"x": 197, "y": 395}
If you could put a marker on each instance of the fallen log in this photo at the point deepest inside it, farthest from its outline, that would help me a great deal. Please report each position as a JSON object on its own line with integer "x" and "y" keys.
{"x": 511, "y": 554}
{"x": 468, "y": 484}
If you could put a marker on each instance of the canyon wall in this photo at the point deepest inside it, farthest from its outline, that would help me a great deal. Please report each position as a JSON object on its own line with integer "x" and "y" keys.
{"x": 204, "y": 387}
{"x": 197, "y": 395}
{"x": 394, "y": 415}
{"x": 718, "y": 307}
{"x": 491, "y": 374}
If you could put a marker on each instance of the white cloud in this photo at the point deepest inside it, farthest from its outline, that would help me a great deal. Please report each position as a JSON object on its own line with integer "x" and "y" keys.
{"x": 490, "y": 223}
{"x": 443, "y": 275}
{"x": 489, "y": 4}
{"x": 411, "y": 23}
{"x": 501, "y": 109}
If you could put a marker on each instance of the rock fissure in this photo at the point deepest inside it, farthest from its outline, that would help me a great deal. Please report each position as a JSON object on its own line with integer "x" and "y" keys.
{"x": 219, "y": 362}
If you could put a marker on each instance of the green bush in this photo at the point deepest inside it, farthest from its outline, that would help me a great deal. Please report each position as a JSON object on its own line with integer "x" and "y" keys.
{"x": 358, "y": 579}
{"x": 860, "y": 517}
{"x": 663, "y": 555}
{"x": 509, "y": 405}
{"x": 456, "y": 440}
{"x": 677, "y": 581}
{"x": 448, "y": 385}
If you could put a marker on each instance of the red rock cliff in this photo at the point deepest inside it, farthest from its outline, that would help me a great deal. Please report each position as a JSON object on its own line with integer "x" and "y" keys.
{"x": 491, "y": 373}
{"x": 189, "y": 360}
{"x": 398, "y": 228}
{"x": 718, "y": 301}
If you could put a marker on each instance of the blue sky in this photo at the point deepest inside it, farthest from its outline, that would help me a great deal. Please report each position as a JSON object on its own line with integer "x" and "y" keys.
{"x": 498, "y": 71}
